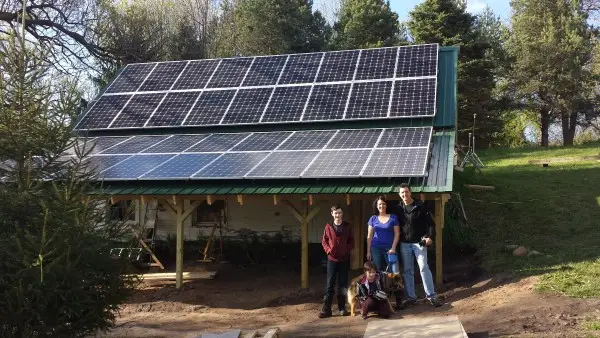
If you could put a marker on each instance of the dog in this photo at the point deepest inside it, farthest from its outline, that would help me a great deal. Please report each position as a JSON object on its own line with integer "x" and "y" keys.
{"x": 392, "y": 283}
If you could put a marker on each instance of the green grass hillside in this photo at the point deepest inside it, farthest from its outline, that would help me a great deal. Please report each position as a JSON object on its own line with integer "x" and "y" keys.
{"x": 554, "y": 210}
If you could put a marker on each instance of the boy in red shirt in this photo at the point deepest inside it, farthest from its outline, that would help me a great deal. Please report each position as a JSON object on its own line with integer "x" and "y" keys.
{"x": 337, "y": 242}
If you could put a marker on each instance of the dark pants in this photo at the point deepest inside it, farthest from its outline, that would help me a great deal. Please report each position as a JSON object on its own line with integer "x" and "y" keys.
{"x": 374, "y": 305}
{"x": 339, "y": 271}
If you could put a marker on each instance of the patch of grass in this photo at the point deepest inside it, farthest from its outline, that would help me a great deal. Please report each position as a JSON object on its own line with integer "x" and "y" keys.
{"x": 592, "y": 325}
{"x": 553, "y": 210}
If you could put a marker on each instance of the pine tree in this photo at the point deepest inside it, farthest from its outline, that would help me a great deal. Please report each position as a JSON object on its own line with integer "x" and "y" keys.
{"x": 366, "y": 24}
{"x": 552, "y": 48}
{"x": 446, "y": 22}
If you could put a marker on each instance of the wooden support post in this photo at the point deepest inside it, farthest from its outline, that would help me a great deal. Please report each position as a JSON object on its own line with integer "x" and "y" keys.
{"x": 310, "y": 199}
{"x": 439, "y": 225}
{"x": 357, "y": 258}
{"x": 209, "y": 199}
{"x": 193, "y": 206}
{"x": 175, "y": 200}
{"x": 422, "y": 197}
{"x": 142, "y": 214}
{"x": 275, "y": 200}
{"x": 179, "y": 255}
{"x": 347, "y": 199}
{"x": 143, "y": 199}
{"x": 240, "y": 199}
{"x": 303, "y": 218}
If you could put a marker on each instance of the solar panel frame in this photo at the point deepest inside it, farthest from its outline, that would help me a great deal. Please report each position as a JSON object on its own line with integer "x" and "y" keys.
{"x": 136, "y": 144}
{"x": 261, "y": 64}
{"x": 197, "y": 78}
{"x": 229, "y": 163}
{"x": 337, "y": 163}
{"x": 314, "y": 60}
{"x": 320, "y": 106}
{"x": 103, "y": 121}
{"x": 232, "y": 67}
{"x": 210, "y": 104}
{"x": 131, "y": 117}
{"x": 135, "y": 166}
{"x": 270, "y": 167}
{"x": 146, "y": 67}
{"x": 407, "y": 100}
{"x": 176, "y": 143}
{"x": 332, "y": 70}
{"x": 255, "y": 99}
{"x": 177, "y": 166}
{"x": 174, "y": 107}
{"x": 392, "y": 162}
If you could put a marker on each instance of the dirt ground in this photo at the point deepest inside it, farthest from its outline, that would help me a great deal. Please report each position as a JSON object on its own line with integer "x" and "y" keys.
{"x": 260, "y": 297}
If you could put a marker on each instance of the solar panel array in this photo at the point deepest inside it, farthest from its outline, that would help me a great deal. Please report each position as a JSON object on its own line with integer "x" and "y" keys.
{"x": 338, "y": 153}
{"x": 380, "y": 83}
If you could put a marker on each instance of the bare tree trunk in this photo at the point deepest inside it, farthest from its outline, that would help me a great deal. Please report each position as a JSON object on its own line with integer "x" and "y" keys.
{"x": 569, "y": 123}
{"x": 545, "y": 125}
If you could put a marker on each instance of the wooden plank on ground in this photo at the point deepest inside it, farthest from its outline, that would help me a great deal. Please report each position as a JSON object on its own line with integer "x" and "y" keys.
{"x": 426, "y": 327}
{"x": 228, "y": 334}
{"x": 480, "y": 187}
{"x": 272, "y": 333}
{"x": 250, "y": 334}
{"x": 186, "y": 275}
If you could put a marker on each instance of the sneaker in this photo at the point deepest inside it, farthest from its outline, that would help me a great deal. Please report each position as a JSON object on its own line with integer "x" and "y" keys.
{"x": 344, "y": 312}
{"x": 434, "y": 301}
{"x": 405, "y": 304}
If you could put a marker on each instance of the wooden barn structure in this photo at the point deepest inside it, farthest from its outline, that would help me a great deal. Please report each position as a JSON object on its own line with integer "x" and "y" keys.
{"x": 294, "y": 132}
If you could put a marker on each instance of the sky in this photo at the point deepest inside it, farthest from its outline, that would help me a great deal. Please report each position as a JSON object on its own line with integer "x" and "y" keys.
{"x": 500, "y": 7}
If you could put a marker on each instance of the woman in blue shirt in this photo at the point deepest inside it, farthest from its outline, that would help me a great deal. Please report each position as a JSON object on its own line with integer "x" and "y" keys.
{"x": 383, "y": 236}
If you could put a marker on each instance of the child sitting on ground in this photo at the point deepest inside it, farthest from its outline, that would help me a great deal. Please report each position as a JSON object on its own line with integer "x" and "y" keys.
{"x": 371, "y": 294}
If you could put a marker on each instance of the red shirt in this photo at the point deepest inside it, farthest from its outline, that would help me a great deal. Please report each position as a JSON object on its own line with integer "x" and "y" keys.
{"x": 338, "y": 246}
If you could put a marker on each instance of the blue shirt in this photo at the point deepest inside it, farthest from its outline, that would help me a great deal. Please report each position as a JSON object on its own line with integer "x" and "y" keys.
{"x": 383, "y": 236}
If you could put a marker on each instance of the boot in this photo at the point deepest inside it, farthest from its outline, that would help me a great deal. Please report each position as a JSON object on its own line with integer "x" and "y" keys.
{"x": 326, "y": 310}
{"x": 341, "y": 298}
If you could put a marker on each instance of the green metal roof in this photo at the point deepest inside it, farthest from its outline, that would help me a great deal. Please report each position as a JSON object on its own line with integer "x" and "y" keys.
{"x": 439, "y": 179}
{"x": 447, "y": 86}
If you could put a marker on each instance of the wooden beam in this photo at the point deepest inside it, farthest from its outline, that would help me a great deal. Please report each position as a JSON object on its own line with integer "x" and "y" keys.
{"x": 156, "y": 261}
{"x": 310, "y": 199}
{"x": 347, "y": 199}
{"x": 143, "y": 199}
{"x": 175, "y": 199}
{"x": 179, "y": 253}
{"x": 439, "y": 224}
{"x": 240, "y": 199}
{"x": 275, "y": 200}
{"x": 480, "y": 187}
{"x": 303, "y": 218}
{"x": 356, "y": 222}
{"x": 422, "y": 197}
{"x": 209, "y": 199}
{"x": 193, "y": 206}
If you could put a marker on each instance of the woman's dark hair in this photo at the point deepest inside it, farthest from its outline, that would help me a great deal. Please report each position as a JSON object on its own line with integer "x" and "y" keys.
{"x": 379, "y": 198}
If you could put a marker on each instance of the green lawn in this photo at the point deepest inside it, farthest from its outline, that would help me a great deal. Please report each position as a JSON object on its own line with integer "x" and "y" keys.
{"x": 553, "y": 210}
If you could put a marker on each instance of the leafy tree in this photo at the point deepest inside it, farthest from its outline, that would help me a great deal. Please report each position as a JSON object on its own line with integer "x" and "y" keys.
{"x": 446, "y": 22}
{"x": 366, "y": 24}
{"x": 57, "y": 278}
{"x": 552, "y": 48}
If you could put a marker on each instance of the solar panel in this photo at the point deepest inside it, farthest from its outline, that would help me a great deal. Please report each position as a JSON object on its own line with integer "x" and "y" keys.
{"x": 100, "y": 144}
{"x": 217, "y": 143}
{"x": 131, "y": 78}
{"x": 417, "y": 61}
{"x": 338, "y": 163}
{"x": 352, "y": 139}
{"x": 196, "y": 74}
{"x": 301, "y": 68}
{"x": 232, "y": 165}
{"x": 379, "y": 83}
{"x": 135, "y": 144}
{"x": 103, "y": 112}
{"x": 265, "y": 71}
{"x": 101, "y": 163}
{"x": 401, "y": 162}
{"x": 287, "y": 104}
{"x": 173, "y": 109}
{"x": 175, "y": 144}
{"x": 327, "y": 102}
{"x": 137, "y": 111}
{"x": 247, "y": 106}
{"x": 369, "y": 100}
{"x": 163, "y": 76}
{"x": 181, "y": 166}
{"x": 377, "y": 64}
{"x": 312, "y": 139}
{"x": 338, "y": 66}
{"x": 135, "y": 166}
{"x": 405, "y": 137}
{"x": 210, "y": 108}
{"x": 283, "y": 164}
{"x": 262, "y": 141}
{"x": 230, "y": 73}
{"x": 414, "y": 98}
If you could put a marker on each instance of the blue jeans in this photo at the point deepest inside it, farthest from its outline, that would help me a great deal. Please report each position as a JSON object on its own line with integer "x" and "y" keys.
{"x": 409, "y": 251}
{"x": 381, "y": 261}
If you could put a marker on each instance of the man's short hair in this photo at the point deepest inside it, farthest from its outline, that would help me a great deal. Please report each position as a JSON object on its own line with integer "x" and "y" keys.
{"x": 369, "y": 266}
{"x": 404, "y": 185}
{"x": 335, "y": 207}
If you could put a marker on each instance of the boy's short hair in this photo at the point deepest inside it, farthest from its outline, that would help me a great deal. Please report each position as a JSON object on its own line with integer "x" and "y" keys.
{"x": 335, "y": 207}
{"x": 369, "y": 266}
{"x": 404, "y": 185}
